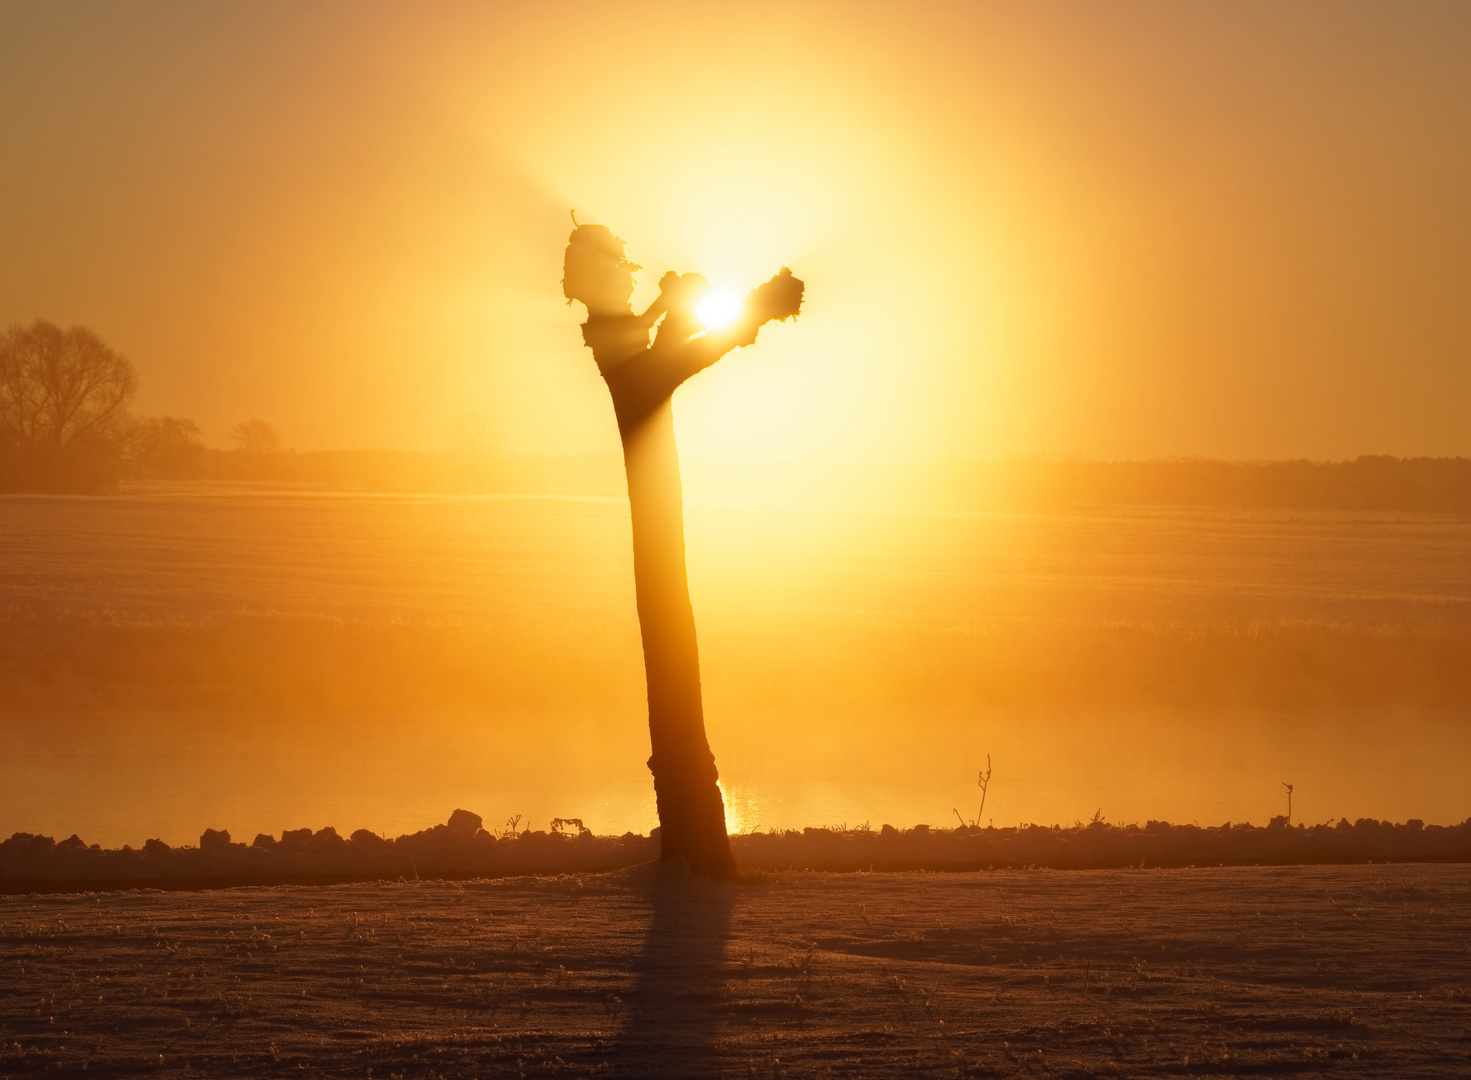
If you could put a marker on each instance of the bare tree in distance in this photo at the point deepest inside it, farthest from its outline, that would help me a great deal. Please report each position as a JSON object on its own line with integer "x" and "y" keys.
{"x": 64, "y": 394}
{"x": 472, "y": 433}
{"x": 255, "y": 437}
{"x": 168, "y": 446}
{"x": 642, "y": 379}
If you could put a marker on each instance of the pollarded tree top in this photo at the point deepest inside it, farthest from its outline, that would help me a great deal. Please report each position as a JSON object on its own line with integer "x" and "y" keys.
{"x": 641, "y": 376}
{"x": 595, "y": 271}
{"x": 615, "y": 339}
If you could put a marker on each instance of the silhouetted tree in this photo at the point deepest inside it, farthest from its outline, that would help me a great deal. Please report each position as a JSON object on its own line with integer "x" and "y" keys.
{"x": 168, "y": 446}
{"x": 64, "y": 421}
{"x": 642, "y": 378}
{"x": 255, "y": 437}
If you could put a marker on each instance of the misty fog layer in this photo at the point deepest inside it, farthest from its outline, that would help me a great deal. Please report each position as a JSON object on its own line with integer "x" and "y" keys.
{"x": 276, "y": 659}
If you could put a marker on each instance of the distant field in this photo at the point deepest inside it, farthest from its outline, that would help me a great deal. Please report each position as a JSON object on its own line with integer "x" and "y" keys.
{"x": 860, "y": 658}
{"x": 206, "y": 597}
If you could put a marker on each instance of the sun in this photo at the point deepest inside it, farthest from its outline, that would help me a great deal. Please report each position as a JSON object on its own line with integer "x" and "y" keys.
{"x": 719, "y": 308}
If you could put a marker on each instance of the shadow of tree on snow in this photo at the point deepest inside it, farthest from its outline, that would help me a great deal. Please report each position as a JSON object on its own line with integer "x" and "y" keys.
{"x": 677, "y": 1005}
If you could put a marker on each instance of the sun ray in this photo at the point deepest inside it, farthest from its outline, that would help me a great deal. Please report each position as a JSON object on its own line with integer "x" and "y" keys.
{"x": 719, "y": 308}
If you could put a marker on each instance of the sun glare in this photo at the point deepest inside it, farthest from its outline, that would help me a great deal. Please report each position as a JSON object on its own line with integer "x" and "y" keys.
{"x": 740, "y": 809}
{"x": 719, "y": 308}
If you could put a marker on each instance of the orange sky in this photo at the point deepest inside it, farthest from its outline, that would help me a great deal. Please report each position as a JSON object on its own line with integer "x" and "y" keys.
{"x": 1129, "y": 230}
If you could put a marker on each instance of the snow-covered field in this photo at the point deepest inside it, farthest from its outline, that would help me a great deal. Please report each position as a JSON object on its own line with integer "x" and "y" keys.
{"x": 1339, "y": 971}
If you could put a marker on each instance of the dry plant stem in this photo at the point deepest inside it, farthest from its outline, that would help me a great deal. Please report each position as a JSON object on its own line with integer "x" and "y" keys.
{"x": 984, "y": 783}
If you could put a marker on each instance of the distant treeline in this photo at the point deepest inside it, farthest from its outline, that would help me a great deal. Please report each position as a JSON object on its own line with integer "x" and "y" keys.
{"x": 410, "y": 471}
{"x": 65, "y": 426}
{"x": 1366, "y": 483}
{"x": 1440, "y": 485}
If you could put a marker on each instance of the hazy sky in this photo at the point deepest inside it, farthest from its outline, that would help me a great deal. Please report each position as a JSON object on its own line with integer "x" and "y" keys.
{"x": 1236, "y": 230}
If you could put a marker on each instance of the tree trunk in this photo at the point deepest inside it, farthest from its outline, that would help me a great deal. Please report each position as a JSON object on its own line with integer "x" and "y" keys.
{"x": 642, "y": 379}
{"x": 691, "y": 810}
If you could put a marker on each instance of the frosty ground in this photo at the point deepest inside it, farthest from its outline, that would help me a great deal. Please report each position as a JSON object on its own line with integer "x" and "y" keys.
{"x": 1316, "y": 970}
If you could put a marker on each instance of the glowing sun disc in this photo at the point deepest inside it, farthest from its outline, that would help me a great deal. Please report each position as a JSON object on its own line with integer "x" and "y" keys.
{"x": 719, "y": 308}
